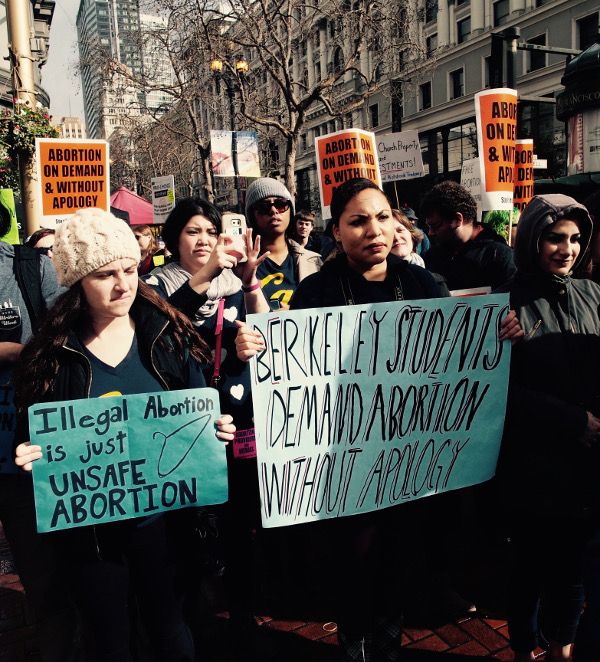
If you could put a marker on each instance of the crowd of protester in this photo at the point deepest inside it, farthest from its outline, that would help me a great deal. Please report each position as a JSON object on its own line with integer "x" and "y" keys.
{"x": 124, "y": 319}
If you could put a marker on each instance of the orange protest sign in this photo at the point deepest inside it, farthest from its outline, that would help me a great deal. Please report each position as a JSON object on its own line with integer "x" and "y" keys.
{"x": 344, "y": 155}
{"x": 72, "y": 175}
{"x": 496, "y": 115}
{"x": 523, "y": 173}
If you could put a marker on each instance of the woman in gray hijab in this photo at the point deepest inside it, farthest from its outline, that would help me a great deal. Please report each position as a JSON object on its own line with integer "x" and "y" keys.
{"x": 550, "y": 455}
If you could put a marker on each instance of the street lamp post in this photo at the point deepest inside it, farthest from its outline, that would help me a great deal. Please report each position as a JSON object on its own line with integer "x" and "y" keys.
{"x": 232, "y": 83}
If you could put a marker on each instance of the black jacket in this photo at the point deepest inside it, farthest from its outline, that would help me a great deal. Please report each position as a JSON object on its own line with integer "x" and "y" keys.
{"x": 337, "y": 285}
{"x": 486, "y": 261}
{"x": 555, "y": 376}
{"x": 74, "y": 377}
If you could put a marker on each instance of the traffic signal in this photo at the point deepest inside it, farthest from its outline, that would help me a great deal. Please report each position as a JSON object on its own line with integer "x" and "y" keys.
{"x": 496, "y": 72}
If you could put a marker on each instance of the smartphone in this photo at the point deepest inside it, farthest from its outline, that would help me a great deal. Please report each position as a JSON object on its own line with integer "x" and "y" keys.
{"x": 234, "y": 225}
{"x": 275, "y": 304}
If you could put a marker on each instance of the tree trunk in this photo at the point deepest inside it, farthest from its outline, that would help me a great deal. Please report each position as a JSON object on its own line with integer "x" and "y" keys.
{"x": 209, "y": 193}
{"x": 290, "y": 163}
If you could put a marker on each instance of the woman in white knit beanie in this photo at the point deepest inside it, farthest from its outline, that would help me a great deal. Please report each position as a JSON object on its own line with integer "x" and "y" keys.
{"x": 110, "y": 334}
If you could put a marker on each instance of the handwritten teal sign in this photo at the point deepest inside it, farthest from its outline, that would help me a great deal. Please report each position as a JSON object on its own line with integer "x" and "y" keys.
{"x": 359, "y": 408}
{"x": 107, "y": 459}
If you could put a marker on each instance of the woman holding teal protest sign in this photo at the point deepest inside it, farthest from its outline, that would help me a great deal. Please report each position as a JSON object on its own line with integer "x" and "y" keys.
{"x": 109, "y": 334}
{"x": 213, "y": 282}
{"x": 366, "y": 547}
{"x": 363, "y": 550}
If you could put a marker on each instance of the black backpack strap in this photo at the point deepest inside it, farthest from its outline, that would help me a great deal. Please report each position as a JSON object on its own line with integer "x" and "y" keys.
{"x": 26, "y": 268}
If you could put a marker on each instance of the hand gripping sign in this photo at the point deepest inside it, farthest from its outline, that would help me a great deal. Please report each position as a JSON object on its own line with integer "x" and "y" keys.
{"x": 358, "y": 408}
{"x": 113, "y": 458}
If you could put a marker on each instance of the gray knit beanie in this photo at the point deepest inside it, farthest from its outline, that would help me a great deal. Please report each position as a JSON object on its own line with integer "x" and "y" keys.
{"x": 266, "y": 187}
{"x": 87, "y": 241}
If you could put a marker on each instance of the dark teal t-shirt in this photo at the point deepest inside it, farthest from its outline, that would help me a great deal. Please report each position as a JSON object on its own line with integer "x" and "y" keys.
{"x": 127, "y": 378}
{"x": 278, "y": 280}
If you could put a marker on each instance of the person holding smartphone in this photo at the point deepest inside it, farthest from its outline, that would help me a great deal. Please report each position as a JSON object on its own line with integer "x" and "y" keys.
{"x": 208, "y": 266}
{"x": 269, "y": 208}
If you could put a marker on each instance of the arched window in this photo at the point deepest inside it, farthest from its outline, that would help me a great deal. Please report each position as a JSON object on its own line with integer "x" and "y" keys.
{"x": 338, "y": 59}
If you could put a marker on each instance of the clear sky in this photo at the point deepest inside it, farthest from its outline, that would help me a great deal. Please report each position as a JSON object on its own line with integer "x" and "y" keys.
{"x": 60, "y": 77}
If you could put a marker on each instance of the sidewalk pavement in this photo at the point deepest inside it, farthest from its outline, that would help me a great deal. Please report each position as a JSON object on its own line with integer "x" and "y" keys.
{"x": 304, "y": 636}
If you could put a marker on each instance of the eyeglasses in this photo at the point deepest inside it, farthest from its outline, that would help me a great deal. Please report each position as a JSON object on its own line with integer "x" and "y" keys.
{"x": 435, "y": 226}
{"x": 264, "y": 206}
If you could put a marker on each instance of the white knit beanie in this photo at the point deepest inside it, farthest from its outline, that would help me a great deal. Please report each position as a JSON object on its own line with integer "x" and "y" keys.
{"x": 87, "y": 241}
{"x": 266, "y": 187}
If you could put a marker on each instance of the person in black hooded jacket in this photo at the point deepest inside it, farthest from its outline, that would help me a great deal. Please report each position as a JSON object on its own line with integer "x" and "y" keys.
{"x": 549, "y": 460}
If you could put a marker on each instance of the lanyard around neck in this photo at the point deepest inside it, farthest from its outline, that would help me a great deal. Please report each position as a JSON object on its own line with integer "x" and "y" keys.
{"x": 349, "y": 296}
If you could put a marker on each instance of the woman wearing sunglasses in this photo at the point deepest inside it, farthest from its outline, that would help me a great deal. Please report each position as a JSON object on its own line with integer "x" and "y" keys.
{"x": 269, "y": 208}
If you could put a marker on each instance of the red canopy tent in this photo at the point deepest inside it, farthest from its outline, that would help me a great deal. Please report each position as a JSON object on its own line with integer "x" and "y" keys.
{"x": 139, "y": 210}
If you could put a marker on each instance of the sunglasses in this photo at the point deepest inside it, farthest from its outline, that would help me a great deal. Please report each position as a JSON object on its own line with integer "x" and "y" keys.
{"x": 264, "y": 206}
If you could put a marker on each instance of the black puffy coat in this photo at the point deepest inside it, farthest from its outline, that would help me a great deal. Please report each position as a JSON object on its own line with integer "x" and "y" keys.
{"x": 329, "y": 287}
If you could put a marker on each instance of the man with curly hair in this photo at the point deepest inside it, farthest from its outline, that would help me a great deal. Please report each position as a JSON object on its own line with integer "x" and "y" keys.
{"x": 465, "y": 252}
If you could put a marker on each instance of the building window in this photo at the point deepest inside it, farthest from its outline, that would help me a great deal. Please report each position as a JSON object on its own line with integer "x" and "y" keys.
{"x": 273, "y": 152}
{"x": 317, "y": 72}
{"x": 374, "y": 115}
{"x": 538, "y": 121}
{"x": 463, "y": 30}
{"x": 461, "y": 2}
{"x": 431, "y": 10}
{"x": 587, "y": 31}
{"x": 537, "y": 59}
{"x": 425, "y": 95}
{"x": 487, "y": 61}
{"x": 338, "y": 60}
{"x": 432, "y": 152}
{"x": 462, "y": 145}
{"x": 432, "y": 43}
{"x": 457, "y": 83}
{"x": 401, "y": 60}
{"x": 501, "y": 12}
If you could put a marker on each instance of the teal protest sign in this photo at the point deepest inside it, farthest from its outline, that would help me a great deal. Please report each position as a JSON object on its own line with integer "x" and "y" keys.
{"x": 359, "y": 408}
{"x": 114, "y": 458}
